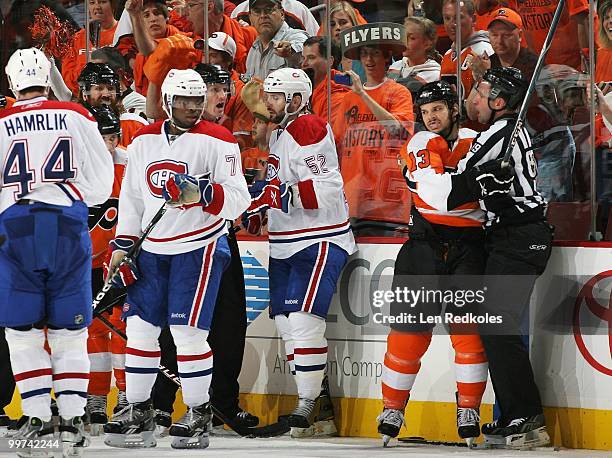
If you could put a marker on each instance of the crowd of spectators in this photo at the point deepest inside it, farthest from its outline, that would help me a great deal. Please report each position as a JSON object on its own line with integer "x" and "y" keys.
{"x": 370, "y": 113}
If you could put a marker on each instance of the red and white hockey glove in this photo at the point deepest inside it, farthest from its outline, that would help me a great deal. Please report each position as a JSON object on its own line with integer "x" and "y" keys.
{"x": 273, "y": 195}
{"x": 125, "y": 270}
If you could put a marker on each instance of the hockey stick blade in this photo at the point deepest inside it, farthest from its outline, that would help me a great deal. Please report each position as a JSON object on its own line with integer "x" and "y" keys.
{"x": 536, "y": 73}
{"x": 275, "y": 429}
{"x": 422, "y": 441}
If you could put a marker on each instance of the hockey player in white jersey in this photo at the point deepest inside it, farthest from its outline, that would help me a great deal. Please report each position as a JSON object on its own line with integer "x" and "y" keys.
{"x": 309, "y": 232}
{"x": 55, "y": 164}
{"x": 193, "y": 166}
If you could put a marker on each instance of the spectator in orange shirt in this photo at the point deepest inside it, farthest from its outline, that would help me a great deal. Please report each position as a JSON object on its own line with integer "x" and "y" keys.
{"x": 378, "y": 120}
{"x": 219, "y": 22}
{"x": 570, "y": 37}
{"x": 100, "y": 11}
{"x": 315, "y": 64}
{"x": 473, "y": 43}
{"x": 149, "y": 25}
{"x": 603, "y": 68}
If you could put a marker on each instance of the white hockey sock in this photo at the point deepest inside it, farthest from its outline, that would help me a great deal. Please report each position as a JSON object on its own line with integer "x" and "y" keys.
{"x": 195, "y": 363}
{"x": 284, "y": 329}
{"x": 32, "y": 371}
{"x": 308, "y": 333}
{"x": 142, "y": 356}
{"x": 70, "y": 370}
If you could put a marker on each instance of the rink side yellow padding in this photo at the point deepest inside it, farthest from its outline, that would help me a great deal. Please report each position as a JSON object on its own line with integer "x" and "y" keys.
{"x": 568, "y": 427}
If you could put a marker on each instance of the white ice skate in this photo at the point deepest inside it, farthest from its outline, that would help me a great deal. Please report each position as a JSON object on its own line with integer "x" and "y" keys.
{"x": 323, "y": 424}
{"x": 390, "y": 422}
{"x": 191, "y": 431}
{"x": 72, "y": 436}
{"x": 35, "y": 431}
{"x": 96, "y": 413}
{"x": 132, "y": 427}
{"x": 468, "y": 424}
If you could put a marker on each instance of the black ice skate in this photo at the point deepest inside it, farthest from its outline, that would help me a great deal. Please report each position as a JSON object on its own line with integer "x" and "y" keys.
{"x": 96, "y": 413}
{"x": 323, "y": 425}
{"x": 526, "y": 432}
{"x": 5, "y": 422}
{"x": 34, "y": 431}
{"x": 191, "y": 431}
{"x": 72, "y": 436}
{"x": 390, "y": 422}
{"x": 132, "y": 427}
{"x": 239, "y": 418}
{"x": 163, "y": 421}
{"x": 468, "y": 424}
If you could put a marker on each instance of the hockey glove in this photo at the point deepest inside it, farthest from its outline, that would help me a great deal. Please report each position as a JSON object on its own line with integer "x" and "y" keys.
{"x": 491, "y": 179}
{"x": 182, "y": 189}
{"x": 125, "y": 270}
{"x": 253, "y": 222}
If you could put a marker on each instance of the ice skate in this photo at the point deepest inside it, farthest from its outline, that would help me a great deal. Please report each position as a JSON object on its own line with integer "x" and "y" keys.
{"x": 525, "y": 433}
{"x": 492, "y": 435}
{"x": 468, "y": 424}
{"x": 96, "y": 413}
{"x": 191, "y": 431}
{"x": 324, "y": 417}
{"x": 122, "y": 402}
{"x": 163, "y": 421}
{"x": 5, "y": 422}
{"x": 72, "y": 436}
{"x": 34, "y": 430}
{"x": 132, "y": 427}
{"x": 302, "y": 417}
{"x": 239, "y": 418}
{"x": 390, "y": 422}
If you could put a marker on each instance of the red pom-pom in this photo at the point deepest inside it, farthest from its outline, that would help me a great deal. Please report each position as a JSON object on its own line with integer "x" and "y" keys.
{"x": 50, "y": 34}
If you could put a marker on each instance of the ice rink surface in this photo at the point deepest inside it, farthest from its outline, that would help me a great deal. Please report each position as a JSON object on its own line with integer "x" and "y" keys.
{"x": 281, "y": 447}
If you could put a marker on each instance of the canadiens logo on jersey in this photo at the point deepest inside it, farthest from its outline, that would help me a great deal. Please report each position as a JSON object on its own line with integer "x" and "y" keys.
{"x": 157, "y": 173}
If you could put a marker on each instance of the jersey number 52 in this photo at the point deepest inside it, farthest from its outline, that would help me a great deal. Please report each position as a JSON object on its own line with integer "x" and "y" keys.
{"x": 56, "y": 167}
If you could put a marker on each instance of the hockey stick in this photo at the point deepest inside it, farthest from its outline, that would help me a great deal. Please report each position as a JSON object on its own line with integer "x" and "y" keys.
{"x": 536, "y": 73}
{"x": 275, "y": 429}
{"x": 130, "y": 255}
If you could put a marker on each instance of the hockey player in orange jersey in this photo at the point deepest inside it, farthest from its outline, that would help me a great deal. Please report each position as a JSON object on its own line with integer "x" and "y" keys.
{"x": 441, "y": 243}
{"x": 106, "y": 351}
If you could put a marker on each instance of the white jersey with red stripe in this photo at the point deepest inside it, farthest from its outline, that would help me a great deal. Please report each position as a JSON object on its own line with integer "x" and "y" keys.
{"x": 428, "y": 155}
{"x": 206, "y": 150}
{"x": 52, "y": 152}
{"x": 304, "y": 157}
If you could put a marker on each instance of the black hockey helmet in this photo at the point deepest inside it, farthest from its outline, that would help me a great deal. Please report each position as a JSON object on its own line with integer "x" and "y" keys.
{"x": 507, "y": 83}
{"x": 108, "y": 121}
{"x": 213, "y": 74}
{"x": 435, "y": 92}
{"x": 94, "y": 73}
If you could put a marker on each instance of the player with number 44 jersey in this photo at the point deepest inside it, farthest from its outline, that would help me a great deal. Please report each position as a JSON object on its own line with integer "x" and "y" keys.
{"x": 54, "y": 164}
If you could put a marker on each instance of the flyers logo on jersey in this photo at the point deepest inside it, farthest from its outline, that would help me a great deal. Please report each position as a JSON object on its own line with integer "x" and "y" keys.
{"x": 157, "y": 173}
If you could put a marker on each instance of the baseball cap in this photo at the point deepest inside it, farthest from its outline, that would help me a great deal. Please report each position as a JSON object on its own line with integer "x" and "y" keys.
{"x": 506, "y": 15}
{"x": 274, "y": 2}
{"x": 220, "y": 41}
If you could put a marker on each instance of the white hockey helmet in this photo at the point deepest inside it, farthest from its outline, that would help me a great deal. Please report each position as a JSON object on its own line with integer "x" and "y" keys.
{"x": 289, "y": 81}
{"x": 182, "y": 83}
{"x": 28, "y": 68}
